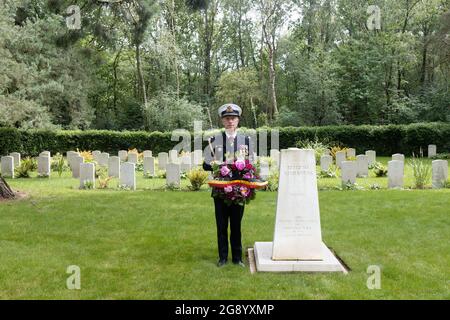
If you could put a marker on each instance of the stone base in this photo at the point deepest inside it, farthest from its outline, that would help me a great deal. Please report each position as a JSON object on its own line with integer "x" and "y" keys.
{"x": 264, "y": 262}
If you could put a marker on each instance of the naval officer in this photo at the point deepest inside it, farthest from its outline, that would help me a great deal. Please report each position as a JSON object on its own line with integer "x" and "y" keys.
{"x": 225, "y": 147}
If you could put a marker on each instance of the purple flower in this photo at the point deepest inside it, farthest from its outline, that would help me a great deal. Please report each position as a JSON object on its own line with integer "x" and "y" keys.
{"x": 224, "y": 171}
{"x": 248, "y": 175}
{"x": 240, "y": 165}
{"x": 228, "y": 189}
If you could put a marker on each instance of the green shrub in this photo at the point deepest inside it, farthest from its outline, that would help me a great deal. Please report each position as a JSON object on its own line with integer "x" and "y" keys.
{"x": 386, "y": 140}
{"x": 379, "y": 169}
{"x": 421, "y": 171}
{"x": 26, "y": 166}
{"x": 197, "y": 177}
{"x": 318, "y": 147}
{"x": 59, "y": 164}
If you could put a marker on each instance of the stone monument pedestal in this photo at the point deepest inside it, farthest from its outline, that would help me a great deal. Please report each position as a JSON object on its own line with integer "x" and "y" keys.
{"x": 264, "y": 262}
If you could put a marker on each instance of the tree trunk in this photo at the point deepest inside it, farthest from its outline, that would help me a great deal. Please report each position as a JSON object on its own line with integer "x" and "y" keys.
{"x": 141, "y": 82}
{"x": 273, "y": 95}
{"x": 5, "y": 190}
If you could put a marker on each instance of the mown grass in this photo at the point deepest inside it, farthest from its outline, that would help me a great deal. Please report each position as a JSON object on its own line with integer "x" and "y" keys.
{"x": 156, "y": 244}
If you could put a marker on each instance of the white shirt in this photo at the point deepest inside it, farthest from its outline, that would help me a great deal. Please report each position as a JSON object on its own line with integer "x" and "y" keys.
{"x": 231, "y": 135}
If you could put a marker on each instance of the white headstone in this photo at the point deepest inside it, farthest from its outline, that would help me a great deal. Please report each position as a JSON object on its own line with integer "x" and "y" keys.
{"x": 173, "y": 156}
{"x": 103, "y": 159}
{"x": 340, "y": 156}
{"x": 87, "y": 174}
{"x": 372, "y": 156}
{"x": 351, "y": 153}
{"x": 297, "y": 244}
{"x": 114, "y": 167}
{"x": 44, "y": 166}
{"x": 362, "y": 165}
{"x": 16, "y": 157}
{"x": 275, "y": 155}
{"x": 326, "y": 152}
{"x": 149, "y": 166}
{"x": 297, "y": 226}
{"x": 123, "y": 155}
{"x": 399, "y": 157}
{"x": 439, "y": 173}
{"x": 76, "y": 162}
{"x": 325, "y": 162}
{"x": 128, "y": 175}
{"x": 198, "y": 157}
{"x": 45, "y": 154}
{"x": 96, "y": 156}
{"x": 395, "y": 173}
{"x": 133, "y": 157}
{"x": 348, "y": 172}
{"x": 7, "y": 166}
{"x": 69, "y": 156}
{"x": 147, "y": 153}
{"x": 264, "y": 167}
{"x": 163, "y": 158}
{"x": 173, "y": 174}
{"x": 431, "y": 150}
{"x": 186, "y": 163}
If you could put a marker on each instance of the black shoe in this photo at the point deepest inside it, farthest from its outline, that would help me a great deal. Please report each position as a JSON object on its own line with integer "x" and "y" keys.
{"x": 239, "y": 263}
{"x": 221, "y": 263}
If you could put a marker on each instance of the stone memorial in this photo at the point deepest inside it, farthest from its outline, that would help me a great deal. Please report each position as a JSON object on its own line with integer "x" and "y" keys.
{"x": 76, "y": 162}
{"x": 114, "y": 167}
{"x": 351, "y": 153}
{"x": 432, "y": 150}
{"x": 297, "y": 244}
{"x": 173, "y": 156}
{"x": 163, "y": 159}
{"x": 96, "y": 155}
{"x": 348, "y": 172}
{"x": 128, "y": 175}
{"x": 16, "y": 157}
{"x": 185, "y": 163}
{"x": 439, "y": 173}
{"x": 362, "y": 166}
{"x": 275, "y": 155}
{"x": 44, "y": 166}
{"x": 395, "y": 174}
{"x": 87, "y": 175}
{"x": 103, "y": 159}
{"x": 133, "y": 157}
{"x": 69, "y": 156}
{"x": 173, "y": 174}
{"x": 147, "y": 153}
{"x": 45, "y": 154}
{"x": 7, "y": 166}
{"x": 197, "y": 158}
{"x": 123, "y": 155}
{"x": 340, "y": 156}
{"x": 372, "y": 156}
{"x": 149, "y": 166}
{"x": 399, "y": 157}
{"x": 264, "y": 168}
{"x": 325, "y": 162}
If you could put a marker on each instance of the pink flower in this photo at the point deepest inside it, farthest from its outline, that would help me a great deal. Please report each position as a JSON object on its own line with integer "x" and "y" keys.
{"x": 248, "y": 175}
{"x": 224, "y": 171}
{"x": 240, "y": 165}
{"x": 228, "y": 189}
{"x": 245, "y": 191}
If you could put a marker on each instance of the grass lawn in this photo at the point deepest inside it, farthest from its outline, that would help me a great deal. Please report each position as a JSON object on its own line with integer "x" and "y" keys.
{"x": 155, "y": 244}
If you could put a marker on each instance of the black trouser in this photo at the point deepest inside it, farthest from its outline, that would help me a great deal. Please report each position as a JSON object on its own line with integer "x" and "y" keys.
{"x": 233, "y": 213}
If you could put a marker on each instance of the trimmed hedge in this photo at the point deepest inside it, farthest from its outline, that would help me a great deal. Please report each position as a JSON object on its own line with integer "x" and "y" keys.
{"x": 385, "y": 140}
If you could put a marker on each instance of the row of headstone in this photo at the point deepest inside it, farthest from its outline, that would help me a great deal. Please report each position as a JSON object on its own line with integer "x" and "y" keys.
{"x": 363, "y": 161}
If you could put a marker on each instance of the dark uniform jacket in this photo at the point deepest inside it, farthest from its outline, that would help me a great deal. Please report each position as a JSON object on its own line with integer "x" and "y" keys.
{"x": 220, "y": 147}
